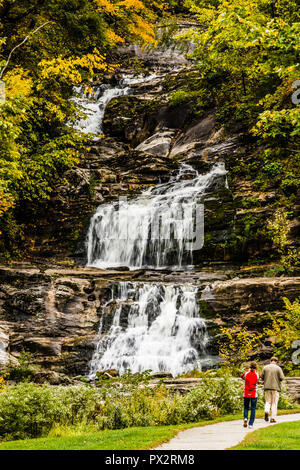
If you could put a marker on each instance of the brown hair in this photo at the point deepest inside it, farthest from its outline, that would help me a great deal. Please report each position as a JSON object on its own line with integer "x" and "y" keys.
{"x": 274, "y": 359}
{"x": 253, "y": 365}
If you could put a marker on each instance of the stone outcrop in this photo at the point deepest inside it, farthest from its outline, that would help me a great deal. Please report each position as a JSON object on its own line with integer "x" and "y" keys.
{"x": 246, "y": 302}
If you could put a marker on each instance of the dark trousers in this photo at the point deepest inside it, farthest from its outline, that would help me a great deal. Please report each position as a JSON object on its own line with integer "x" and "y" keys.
{"x": 247, "y": 402}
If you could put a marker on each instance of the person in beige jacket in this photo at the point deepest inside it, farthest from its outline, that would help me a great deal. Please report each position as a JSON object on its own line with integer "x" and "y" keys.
{"x": 272, "y": 377}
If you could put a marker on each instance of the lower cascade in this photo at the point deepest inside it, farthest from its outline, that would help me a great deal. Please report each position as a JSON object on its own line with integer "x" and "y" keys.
{"x": 155, "y": 327}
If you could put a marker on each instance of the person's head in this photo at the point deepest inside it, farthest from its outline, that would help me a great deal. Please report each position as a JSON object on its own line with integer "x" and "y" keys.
{"x": 274, "y": 360}
{"x": 253, "y": 365}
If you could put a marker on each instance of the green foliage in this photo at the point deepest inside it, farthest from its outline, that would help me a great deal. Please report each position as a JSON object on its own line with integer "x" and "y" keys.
{"x": 213, "y": 398}
{"x": 285, "y": 328}
{"x": 30, "y": 410}
{"x": 254, "y": 45}
{"x": 278, "y": 230}
{"x": 275, "y": 271}
{"x": 246, "y": 53}
{"x": 197, "y": 98}
{"x": 46, "y": 48}
{"x": 23, "y": 371}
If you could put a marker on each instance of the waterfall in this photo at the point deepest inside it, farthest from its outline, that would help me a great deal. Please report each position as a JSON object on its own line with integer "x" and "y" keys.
{"x": 155, "y": 327}
{"x": 94, "y": 105}
{"x": 159, "y": 228}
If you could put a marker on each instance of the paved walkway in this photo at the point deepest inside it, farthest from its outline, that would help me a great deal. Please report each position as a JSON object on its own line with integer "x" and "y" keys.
{"x": 219, "y": 436}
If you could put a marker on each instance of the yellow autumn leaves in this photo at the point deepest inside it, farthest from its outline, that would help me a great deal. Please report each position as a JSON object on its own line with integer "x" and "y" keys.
{"x": 138, "y": 17}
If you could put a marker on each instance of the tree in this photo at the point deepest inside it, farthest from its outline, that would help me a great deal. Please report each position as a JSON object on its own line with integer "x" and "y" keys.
{"x": 237, "y": 345}
{"x": 285, "y": 328}
{"x": 278, "y": 229}
{"x": 47, "y": 47}
{"x": 255, "y": 44}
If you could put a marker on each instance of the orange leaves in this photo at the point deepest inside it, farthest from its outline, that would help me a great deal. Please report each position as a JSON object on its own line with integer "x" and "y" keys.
{"x": 18, "y": 83}
{"x": 6, "y": 203}
{"x": 135, "y": 20}
{"x": 107, "y": 6}
{"x": 3, "y": 382}
{"x": 113, "y": 7}
{"x": 142, "y": 29}
{"x": 113, "y": 38}
{"x": 136, "y": 5}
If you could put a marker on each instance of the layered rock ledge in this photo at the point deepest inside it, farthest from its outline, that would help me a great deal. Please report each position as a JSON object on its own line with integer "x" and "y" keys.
{"x": 55, "y": 314}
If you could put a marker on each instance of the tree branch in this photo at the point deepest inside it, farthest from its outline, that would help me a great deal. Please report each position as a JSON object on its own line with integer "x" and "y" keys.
{"x": 19, "y": 45}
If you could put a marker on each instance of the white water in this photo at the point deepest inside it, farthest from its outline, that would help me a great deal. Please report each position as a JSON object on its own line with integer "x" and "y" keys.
{"x": 162, "y": 330}
{"x": 94, "y": 106}
{"x": 159, "y": 228}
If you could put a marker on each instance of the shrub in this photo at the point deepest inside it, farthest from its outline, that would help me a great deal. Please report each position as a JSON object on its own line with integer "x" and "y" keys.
{"x": 285, "y": 328}
{"x": 237, "y": 345}
{"x": 24, "y": 370}
{"x": 30, "y": 410}
{"x": 214, "y": 397}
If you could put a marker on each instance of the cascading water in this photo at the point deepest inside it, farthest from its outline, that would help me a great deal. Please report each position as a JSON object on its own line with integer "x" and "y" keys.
{"x": 94, "y": 106}
{"x": 155, "y": 327}
{"x": 160, "y": 228}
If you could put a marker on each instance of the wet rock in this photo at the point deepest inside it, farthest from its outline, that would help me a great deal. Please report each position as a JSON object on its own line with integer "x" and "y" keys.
{"x": 195, "y": 137}
{"x": 79, "y": 181}
{"x": 245, "y": 302}
{"x": 110, "y": 372}
{"x": 108, "y": 316}
{"x": 42, "y": 345}
{"x": 158, "y": 144}
{"x": 161, "y": 375}
{"x": 51, "y": 377}
{"x": 257, "y": 294}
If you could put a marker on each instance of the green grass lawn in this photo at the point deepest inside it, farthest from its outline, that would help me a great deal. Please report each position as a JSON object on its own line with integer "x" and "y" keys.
{"x": 284, "y": 436}
{"x": 122, "y": 439}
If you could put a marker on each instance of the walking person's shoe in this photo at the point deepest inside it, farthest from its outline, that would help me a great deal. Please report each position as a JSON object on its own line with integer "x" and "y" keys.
{"x": 266, "y": 416}
{"x": 250, "y": 426}
{"x": 245, "y": 423}
{"x": 273, "y": 420}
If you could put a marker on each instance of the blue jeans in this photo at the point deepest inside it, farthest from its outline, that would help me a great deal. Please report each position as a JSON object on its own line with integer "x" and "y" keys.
{"x": 247, "y": 402}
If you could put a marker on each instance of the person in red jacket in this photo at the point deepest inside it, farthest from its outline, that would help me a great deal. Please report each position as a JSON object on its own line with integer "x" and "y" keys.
{"x": 251, "y": 378}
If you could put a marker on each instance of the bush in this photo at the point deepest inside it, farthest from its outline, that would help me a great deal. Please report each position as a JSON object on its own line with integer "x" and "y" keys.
{"x": 29, "y": 410}
{"x": 213, "y": 398}
{"x": 24, "y": 370}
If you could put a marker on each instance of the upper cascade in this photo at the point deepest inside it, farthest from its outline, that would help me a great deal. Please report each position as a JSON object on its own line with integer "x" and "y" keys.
{"x": 94, "y": 105}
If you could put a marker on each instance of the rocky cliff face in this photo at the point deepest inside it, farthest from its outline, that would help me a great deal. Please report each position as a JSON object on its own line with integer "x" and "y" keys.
{"x": 54, "y": 312}
{"x": 146, "y": 137}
